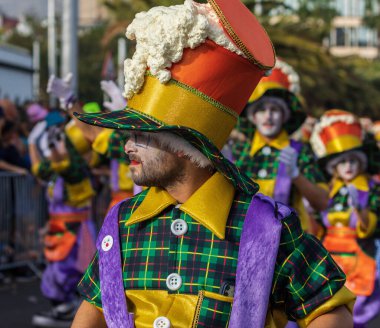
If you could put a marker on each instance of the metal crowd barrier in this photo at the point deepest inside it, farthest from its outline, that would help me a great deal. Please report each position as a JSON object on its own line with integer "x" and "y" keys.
{"x": 24, "y": 212}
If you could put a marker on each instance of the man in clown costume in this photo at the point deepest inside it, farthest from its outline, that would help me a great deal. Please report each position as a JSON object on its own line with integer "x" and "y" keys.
{"x": 285, "y": 169}
{"x": 351, "y": 218}
{"x": 200, "y": 247}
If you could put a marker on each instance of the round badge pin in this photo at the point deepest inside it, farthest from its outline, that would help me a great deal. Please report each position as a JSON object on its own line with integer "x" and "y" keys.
{"x": 107, "y": 243}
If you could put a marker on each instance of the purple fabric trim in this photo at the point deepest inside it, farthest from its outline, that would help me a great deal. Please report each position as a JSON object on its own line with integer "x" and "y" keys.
{"x": 60, "y": 208}
{"x": 58, "y": 191}
{"x": 137, "y": 189}
{"x": 291, "y": 324}
{"x": 111, "y": 277}
{"x": 59, "y": 280}
{"x": 257, "y": 257}
{"x": 114, "y": 167}
{"x": 363, "y": 197}
{"x": 367, "y": 307}
{"x": 283, "y": 183}
{"x": 325, "y": 219}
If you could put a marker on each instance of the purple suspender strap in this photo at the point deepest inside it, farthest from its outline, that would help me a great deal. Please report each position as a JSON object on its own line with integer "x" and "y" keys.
{"x": 363, "y": 198}
{"x": 257, "y": 257}
{"x": 283, "y": 183}
{"x": 114, "y": 301}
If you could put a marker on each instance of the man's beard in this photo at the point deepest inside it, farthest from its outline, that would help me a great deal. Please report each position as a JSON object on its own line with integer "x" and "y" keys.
{"x": 162, "y": 171}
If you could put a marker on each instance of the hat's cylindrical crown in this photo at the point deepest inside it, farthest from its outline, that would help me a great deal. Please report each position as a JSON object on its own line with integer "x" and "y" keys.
{"x": 208, "y": 90}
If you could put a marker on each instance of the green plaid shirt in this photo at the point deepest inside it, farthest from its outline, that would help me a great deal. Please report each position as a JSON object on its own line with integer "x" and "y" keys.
{"x": 266, "y": 159}
{"x": 305, "y": 276}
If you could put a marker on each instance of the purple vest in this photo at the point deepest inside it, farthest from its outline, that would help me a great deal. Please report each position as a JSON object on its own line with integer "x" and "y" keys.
{"x": 257, "y": 257}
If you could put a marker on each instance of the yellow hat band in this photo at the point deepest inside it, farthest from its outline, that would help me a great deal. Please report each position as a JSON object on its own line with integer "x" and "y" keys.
{"x": 342, "y": 143}
{"x": 174, "y": 103}
{"x": 262, "y": 87}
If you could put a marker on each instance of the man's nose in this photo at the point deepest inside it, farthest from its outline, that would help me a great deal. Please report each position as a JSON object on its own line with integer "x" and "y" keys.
{"x": 267, "y": 113}
{"x": 130, "y": 146}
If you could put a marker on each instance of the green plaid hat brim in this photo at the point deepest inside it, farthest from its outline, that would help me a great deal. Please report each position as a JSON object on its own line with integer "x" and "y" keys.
{"x": 130, "y": 119}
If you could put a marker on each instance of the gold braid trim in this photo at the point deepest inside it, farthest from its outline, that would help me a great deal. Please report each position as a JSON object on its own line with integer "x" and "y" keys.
{"x": 236, "y": 39}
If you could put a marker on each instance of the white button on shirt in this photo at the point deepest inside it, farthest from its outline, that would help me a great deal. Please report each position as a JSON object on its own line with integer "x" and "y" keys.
{"x": 266, "y": 151}
{"x": 161, "y": 322}
{"x": 343, "y": 191}
{"x": 179, "y": 227}
{"x": 262, "y": 173}
{"x": 174, "y": 281}
{"x": 338, "y": 207}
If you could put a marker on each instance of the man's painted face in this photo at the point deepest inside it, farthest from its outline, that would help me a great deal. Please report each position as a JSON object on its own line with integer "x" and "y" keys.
{"x": 268, "y": 119}
{"x": 348, "y": 168}
{"x": 151, "y": 164}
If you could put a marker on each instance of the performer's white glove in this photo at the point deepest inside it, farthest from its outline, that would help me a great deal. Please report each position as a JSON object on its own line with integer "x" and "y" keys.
{"x": 43, "y": 145}
{"x": 112, "y": 90}
{"x": 61, "y": 88}
{"x": 36, "y": 132}
{"x": 236, "y": 135}
{"x": 353, "y": 196}
{"x": 289, "y": 157}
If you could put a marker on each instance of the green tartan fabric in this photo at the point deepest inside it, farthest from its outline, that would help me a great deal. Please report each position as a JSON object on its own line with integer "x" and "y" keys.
{"x": 305, "y": 275}
{"x": 214, "y": 313}
{"x": 76, "y": 172}
{"x": 269, "y": 162}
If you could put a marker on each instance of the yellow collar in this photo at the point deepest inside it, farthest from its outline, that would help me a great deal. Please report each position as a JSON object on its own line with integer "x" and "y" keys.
{"x": 360, "y": 183}
{"x": 210, "y": 205}
{"x": 259, "y": 142}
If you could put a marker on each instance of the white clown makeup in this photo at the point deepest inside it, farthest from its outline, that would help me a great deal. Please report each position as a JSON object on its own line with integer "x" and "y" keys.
{"x": 348, "y": 168}
{"x": 268, "y": 118}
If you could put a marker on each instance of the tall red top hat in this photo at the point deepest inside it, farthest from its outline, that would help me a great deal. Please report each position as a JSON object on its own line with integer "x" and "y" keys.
{"x": 199, "y": 86}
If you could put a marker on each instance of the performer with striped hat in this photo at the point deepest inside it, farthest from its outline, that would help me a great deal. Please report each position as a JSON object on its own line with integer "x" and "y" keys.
{"x": 200, "y": 247}
{"x": 284, "y": 168}
{"x": 351, "y": 219}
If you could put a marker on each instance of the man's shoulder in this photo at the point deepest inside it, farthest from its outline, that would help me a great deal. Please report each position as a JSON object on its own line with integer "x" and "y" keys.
{"x": 282, "y": 212}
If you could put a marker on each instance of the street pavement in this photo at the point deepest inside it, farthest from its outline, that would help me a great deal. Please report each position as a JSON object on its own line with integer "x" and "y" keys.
{"x": 20, "y": 300}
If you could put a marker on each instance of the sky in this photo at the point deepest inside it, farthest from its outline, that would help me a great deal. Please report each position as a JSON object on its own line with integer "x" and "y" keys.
{"x": 15, "y": 8}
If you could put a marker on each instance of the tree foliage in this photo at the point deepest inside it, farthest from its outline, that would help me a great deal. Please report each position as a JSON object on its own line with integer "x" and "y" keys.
{"x": 296, "y": 31}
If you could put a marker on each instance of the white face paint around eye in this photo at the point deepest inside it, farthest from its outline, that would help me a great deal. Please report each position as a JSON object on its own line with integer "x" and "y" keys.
{"x": 268, "y": 119}
{"x": 348, "y": 168}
